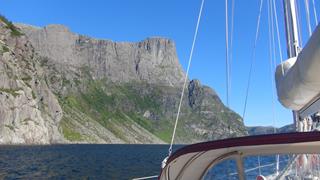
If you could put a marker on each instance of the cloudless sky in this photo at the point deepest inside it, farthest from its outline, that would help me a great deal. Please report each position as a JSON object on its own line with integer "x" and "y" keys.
{"x": 135, "y": 20}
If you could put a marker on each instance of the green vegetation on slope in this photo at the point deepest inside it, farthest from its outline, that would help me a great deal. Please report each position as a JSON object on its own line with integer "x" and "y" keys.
{"x": 114, "y": 106}
{"x": 9, "y": 25}
{"x": 117, "y": 107}
{"x": 68, "y": 132}
{"x": 4, "y": 49}
{"x": 165, "y": 134}
{"x": 127, "y": 110}
{"x": 13, "y": 92}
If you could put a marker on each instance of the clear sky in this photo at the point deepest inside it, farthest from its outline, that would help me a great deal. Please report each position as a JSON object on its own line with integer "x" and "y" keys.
{"x": 135, "y": 20}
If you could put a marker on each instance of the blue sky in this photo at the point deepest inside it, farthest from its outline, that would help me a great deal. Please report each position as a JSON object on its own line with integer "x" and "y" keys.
{"x": 128, "y": 20}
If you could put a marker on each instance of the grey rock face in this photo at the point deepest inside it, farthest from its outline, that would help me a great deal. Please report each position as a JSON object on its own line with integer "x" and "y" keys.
{"x": 98, "y": 91}
{"x": 195, "y": 93}
{"x": 29, "y": 112}
{"x": 31, "y": 109}
{"x": 153, "y": 60}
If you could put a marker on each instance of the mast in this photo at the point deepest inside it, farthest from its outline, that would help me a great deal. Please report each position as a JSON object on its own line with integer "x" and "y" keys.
{"x": 291, "y": 30}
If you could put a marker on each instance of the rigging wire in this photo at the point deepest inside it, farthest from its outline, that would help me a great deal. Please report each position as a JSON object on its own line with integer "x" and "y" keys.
{"x": 306, "y": 2}
{"x": 297, "y": 6}
{"x": 227, "y": 54}
{"x": 272, "y": 56}
{"x": 229, "y": 49}
{"x": 147, "y": 177}
{"x": 315, "y": 12}
{"x": 186, "y": 76}
{"x": 272, "y": 35}
{"x": 259, "y": 165}
{"x": 228, "y": 83}
{"x": 278, "y": 35}
{"x": 231, "y": 45}
{"x": 252, "y": 60}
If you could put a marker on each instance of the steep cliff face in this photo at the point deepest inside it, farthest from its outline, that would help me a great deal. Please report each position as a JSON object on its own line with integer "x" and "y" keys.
{"x": 98, "y": 91}
{"x": 29, "y": 112}
{"x": 153, "y": 60}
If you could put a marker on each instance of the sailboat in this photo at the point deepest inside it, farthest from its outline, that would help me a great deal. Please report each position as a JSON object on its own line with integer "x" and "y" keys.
{"x": 294, "y": 155}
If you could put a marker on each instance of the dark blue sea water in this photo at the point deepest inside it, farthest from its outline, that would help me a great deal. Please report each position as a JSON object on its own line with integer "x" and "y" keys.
{"x": 94, "y": 162}
{"x": 81, "y": 161}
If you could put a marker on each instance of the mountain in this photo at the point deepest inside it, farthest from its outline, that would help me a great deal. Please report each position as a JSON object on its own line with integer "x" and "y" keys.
{"x": 287, "y": 128}
{"x": 60, "y": 87}
{"x": 258, "y": 130}
{"x": 25, "y": 116}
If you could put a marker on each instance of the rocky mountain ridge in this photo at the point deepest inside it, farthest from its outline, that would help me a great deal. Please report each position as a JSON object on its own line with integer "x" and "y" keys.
{"x": 258, "y": 130}
{"x": 152, "y": 60}
{"x": 61, "y": 87}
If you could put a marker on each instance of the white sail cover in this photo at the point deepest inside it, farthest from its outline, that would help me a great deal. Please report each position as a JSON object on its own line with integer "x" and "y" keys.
{"x": 298, "y": 79}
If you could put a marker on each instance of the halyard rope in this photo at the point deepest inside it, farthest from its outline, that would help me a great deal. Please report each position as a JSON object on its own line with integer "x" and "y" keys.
{"x": 186, "y": 77}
